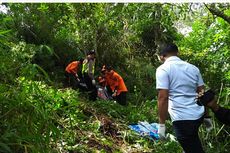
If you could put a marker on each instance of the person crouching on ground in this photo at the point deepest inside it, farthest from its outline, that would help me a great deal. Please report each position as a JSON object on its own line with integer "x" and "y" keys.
{"x": 116, "y": 83}
{"x": 71, "y": 72}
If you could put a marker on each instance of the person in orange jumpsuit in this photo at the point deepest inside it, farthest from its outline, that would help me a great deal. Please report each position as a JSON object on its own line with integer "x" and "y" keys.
{"x": 72, "y": 70}
{"x": 116, "y": 83}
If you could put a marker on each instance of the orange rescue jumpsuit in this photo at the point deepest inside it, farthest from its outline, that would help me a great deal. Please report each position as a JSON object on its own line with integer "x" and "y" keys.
{"x": 72, "y": 67}
{"x": 115, "y": 82}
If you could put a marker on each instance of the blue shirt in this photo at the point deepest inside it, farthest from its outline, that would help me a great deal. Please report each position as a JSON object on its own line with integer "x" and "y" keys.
{"x": 181, "y": 79}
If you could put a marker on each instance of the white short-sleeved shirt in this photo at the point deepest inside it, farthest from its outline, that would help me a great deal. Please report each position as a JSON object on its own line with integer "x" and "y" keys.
{"x": 181, "y": 79}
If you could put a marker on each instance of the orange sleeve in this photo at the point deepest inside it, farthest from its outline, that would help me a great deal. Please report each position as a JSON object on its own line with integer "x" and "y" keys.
{"x": 72, "y": 67}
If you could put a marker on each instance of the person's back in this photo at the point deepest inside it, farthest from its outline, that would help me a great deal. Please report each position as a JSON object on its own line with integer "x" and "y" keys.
{"x": 72, "y": 67}
{"x": 121, "y": 87}
{"x": 117, "y": 85}
{"x": 177, "y": 83}
{"x": 114, "y": 80}
{"x": 183, "y": 83}
{"x": 72, "y": 73}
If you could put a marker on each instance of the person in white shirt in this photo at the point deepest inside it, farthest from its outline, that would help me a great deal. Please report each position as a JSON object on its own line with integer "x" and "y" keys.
{"x": 178, "y": 83}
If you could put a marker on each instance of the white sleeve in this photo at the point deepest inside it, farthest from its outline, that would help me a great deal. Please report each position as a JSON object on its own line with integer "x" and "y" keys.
{"x": 200, "y": 80}
{"x": 162, "y": 79}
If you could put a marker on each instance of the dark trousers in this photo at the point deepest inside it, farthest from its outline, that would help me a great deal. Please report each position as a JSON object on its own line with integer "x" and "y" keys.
{"x": 71, "y": 80}
{"x": 121, "y": 98}
{"x": 91, "y": 88}
{"x": 187, "y": 135}
{"x": 109, "y": 91}
{"x": 223, "y": 115}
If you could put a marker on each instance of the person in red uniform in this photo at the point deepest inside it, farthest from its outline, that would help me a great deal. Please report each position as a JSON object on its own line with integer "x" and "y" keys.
{"x": 117, "y": 85}
{"x": 72, "y": 70}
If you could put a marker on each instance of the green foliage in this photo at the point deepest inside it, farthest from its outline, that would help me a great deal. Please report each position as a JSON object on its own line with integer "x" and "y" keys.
{"x": 37, "y": 41}
{"x": 76, "y": 28}
{"x": 207, "y": 47}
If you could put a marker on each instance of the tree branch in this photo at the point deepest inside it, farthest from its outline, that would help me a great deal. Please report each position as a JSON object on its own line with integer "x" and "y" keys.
{"x": 218, "y": 13}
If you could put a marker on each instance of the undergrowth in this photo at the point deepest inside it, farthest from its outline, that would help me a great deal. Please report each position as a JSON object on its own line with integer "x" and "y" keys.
{"x": 36, "y": 117}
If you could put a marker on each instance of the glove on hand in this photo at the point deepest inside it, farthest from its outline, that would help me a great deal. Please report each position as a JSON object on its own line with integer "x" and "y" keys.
{"x": 93, "y": 82}
{"x": 115, "y": 93}
{"x": 161, "y": 131}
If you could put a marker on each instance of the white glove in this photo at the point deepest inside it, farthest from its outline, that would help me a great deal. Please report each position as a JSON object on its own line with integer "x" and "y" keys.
{"x": 77, "y": 77}
{"x": 93, "y": 82}
{"x": 161, "y": 131}
{"x": 114, "y": 93}
{"x": 208, "y": 123}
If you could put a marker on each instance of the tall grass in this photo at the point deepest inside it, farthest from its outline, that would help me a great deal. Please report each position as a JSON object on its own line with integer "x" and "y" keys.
{"x": 218, "y": 139}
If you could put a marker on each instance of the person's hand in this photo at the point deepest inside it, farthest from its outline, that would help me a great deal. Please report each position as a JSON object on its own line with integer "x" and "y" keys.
{"x": 78, "y": 79}
{"x": 161, "y": 131}
{"x": 201, "y": 93}
{"x": 208, "y": 123}
{"x": 114, "y": 94}
{"x": 76, "y": 76}
{"x": 205, "y": 97}
{"x": 93, "y": 82}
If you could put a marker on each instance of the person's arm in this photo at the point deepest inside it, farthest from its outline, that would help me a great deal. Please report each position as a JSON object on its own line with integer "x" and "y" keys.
{"x": 200, "y": 82}
{"x": 162, "y": 84}
{"x": 163, "y": 105}
{"x": 90, "y": 72}
{"x": 200, "y": 91}
{"x": 73, "y": 71}
{"x": 116, "y": 84}
{"x": 222, "y": 114}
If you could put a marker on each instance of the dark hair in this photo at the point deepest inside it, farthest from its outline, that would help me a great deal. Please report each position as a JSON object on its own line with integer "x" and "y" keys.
{"x": 91, "y": 52}
{"x": 106, "y": 67}
{"x": 171, "y": 48}
{"x": 109, "y": 68}
{"x": 81, "y": 60}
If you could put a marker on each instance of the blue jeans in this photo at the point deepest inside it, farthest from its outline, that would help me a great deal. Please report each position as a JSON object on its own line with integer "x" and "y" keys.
{"x": 187, "y": 135}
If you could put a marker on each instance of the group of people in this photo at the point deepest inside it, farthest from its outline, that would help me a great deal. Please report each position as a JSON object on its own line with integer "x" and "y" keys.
{"x": 81, "y": 72}
{"x": 180, "y": 93}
